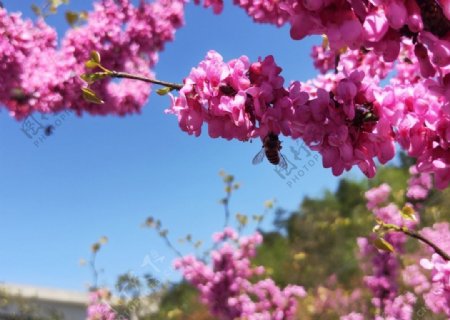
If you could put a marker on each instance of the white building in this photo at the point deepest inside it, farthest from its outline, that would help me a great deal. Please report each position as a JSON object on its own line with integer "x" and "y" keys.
{"x": 16, "y": 300}
{"x": 24, "y": 302}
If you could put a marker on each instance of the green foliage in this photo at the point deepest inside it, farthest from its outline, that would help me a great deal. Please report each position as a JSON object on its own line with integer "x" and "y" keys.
{"x": 276, "y": 256}
{"x": 184, "y": 298}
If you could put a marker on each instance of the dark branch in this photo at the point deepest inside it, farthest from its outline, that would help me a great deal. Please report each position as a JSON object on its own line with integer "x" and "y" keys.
{"x": 115, "y": 74}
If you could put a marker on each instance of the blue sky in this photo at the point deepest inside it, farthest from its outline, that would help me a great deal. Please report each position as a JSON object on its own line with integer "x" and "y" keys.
{"x": 104, "y": 175}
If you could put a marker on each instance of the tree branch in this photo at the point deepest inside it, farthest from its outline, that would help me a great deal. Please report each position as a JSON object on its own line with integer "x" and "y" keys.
{"x": 418, "y": 236}
{"x": 116, "y": 74}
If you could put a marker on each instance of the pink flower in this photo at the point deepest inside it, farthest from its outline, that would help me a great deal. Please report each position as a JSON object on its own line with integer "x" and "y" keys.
{"x": 375, "y": 26}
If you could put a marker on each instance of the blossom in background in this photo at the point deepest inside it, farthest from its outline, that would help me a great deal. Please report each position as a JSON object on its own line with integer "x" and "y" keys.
{"x": 99, "y": 308}
{"x": 226, "y": 288}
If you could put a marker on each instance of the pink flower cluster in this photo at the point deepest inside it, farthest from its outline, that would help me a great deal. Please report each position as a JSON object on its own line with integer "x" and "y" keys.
{"x": 438, "y": 297}
{"x": 241, "y": 100}
{"x": 237, "y": 100}
{"x": 421, "y": 122}
{"x": 345, "y": 124}
{"x": 37, "y": 76}
{"x": 377, "y": 196}
{"x": 419, "y": 184}
{"x": 353, "y": 316}
{"x": 433, "y": 280}
{"x": 336, "y": 299}
{"x": 225, "y": 285}
{"x": 376, "y": 32}
{"x": 217, "y": 5}
{"x": 265, "y": 11}
{"x": 377, "y": 25}
{"x": 363, "y": 60}
{"x": 98, "y": 308}
{"x": 399, "y": 308}
{"x": 22, "y": 46}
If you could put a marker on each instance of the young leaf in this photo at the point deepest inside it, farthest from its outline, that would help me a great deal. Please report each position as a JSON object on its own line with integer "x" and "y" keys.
{"x": 83, "y": 15}
{"x": 37, "y": 11}
{"x": 382, "y": 244}
{"x": 95, "y": 247}
{"x": 242, "y": 219}
{"x": 103, "y": 240}
{"x": 408, "y": 213}
{"x": 90, "y": 64}
{"x": 299, "y": 256}
{"x": 91, "y": 96}
{"x": 95, "y": 56}
{"x": 54, "y": 4}
{"x": 71, "y": 18}
{"x": 163, "y": 91}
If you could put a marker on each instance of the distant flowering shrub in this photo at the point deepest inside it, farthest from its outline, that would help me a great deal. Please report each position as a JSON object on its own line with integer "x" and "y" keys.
{"x": 226, "y": 285}
{"x": 99, "y": 308}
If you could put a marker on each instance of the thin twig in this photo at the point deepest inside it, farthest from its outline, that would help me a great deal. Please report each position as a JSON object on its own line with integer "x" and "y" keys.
{"x": 116, "y": 74}
{"x": 418, "y": 236}
{"x": 94, "y": 271}
{"x": 226, "y": 202}
{"x": 171, "y": 246}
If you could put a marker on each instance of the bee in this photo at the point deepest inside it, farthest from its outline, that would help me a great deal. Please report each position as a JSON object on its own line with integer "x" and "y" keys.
{"x": 271, "y": 149}
{"x": 20, "y": 96}
{"x": 48, "y": 131}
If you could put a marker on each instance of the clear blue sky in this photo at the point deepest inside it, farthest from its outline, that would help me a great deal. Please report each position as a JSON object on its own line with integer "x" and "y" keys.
{"x": 104, "y": 175}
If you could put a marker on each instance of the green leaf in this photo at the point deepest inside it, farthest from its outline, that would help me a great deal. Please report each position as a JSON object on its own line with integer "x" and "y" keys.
{"x": 242, "y": 219}
{"x": 103, "y": 240}
{"x": 37, "y": 11}
{"x": 83, "y": 15}
{"x": 54, "y": 4}
{"x": 72, "y": 18}
{"x": 95, "y": 56}
{"x": 163, "y": 91}
{"x": 91, "y": 64}
{"x": 91, "y": 96}
{"x": 408, "y": 213}
{"x": 382, "y": 244}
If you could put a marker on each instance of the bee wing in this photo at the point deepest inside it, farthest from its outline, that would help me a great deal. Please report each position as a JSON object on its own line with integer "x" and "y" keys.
{"x": 259, "y": 156}
{"x": 283, "y": 163}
